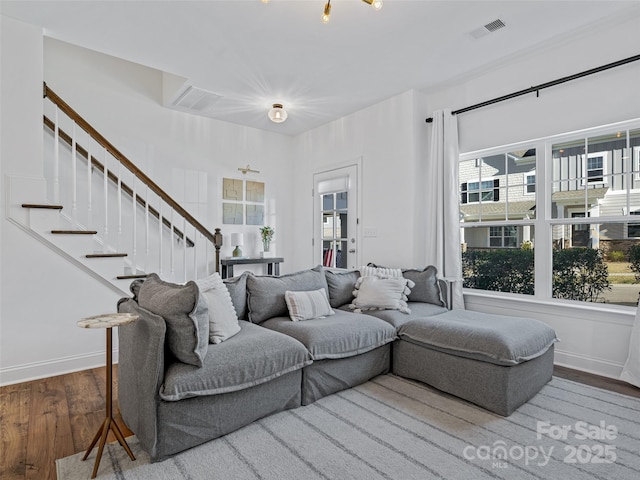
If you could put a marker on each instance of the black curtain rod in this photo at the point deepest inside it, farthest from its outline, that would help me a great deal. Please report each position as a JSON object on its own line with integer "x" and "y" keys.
{"x": 544, "y": 85}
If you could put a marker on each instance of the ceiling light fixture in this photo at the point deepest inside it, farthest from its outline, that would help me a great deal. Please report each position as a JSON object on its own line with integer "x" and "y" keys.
{"x": 326, "y": 15}
{"x": 277, "y": 114}
{"x": 375, "y": 4}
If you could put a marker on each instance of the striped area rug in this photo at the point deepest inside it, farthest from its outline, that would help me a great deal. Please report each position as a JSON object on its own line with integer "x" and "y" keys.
{"x": 393, "y": 428}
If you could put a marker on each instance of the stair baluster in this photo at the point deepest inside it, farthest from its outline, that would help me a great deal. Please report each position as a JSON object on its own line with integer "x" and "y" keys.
{"x": 118, "y": 229}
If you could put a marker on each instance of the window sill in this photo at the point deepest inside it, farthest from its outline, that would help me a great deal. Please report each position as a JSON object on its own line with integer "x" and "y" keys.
{"x": 618, "y": 314}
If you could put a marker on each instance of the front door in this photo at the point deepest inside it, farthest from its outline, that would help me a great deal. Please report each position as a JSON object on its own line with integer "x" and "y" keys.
{"x": 335, "y": 217}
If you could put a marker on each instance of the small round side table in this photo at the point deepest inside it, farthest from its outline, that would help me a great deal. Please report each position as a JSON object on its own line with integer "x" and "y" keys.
{"x": 107, "y": 321}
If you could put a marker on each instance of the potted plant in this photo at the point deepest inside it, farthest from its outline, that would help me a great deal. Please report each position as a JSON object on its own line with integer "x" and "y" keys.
{"x": 266, "y": 234}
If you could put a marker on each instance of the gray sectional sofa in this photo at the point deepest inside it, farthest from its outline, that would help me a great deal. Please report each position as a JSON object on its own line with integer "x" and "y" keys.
{"x": 273, "y": 363}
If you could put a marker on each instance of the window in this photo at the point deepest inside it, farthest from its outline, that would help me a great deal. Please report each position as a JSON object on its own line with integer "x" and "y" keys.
{"x": 595, "y": 168}
{"x": 503, "y": 236}
{"x": 585, "y": 212}
{"x": 530, "y": 183}
{"x": 633, "y": 229}
{"x": 477, "y": 191}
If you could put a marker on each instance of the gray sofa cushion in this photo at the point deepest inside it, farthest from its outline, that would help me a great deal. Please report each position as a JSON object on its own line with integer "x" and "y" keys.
{"x": 426, "y": 287}
{"x": 339, "y": 336}
{"x": 237, "y": 287}
{"x": 497, "y": 339}
{"x": 397, "y": 318}
{"x": 341, "y": 285}
{"x": 185, "y": 314}
{"x": 253, "y": 356}
{"x": 265, "y": 295}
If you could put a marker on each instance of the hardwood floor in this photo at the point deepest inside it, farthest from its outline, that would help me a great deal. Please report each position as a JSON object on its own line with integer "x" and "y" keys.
{"x": 58, "y": 416}
{"x": 597, "y": 381}
{"x": 51, "y": 418}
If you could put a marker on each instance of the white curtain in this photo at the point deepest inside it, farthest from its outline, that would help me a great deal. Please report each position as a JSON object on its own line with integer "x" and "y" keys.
{"x": 631, "y": 369}
{"x": 442, "y": 208}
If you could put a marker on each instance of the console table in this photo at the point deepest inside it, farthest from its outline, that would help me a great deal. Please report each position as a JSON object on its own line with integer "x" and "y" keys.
{"x": 273, "y": 264}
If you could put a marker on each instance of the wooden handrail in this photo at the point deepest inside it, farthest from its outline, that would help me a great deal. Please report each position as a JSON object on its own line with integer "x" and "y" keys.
{"x": 126, "y": 188}
{"x": 71, "y": 113}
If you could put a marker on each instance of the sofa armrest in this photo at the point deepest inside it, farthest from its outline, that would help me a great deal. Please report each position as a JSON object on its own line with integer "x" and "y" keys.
{"x": 141, "y": 371}
{"x": 444, "y": 292}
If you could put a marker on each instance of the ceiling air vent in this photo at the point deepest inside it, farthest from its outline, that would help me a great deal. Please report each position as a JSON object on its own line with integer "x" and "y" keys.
{"x": 490, "y": 27}
{"x": 197, "y": 101}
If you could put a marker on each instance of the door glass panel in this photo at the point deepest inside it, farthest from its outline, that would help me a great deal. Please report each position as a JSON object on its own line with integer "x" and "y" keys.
{"x": 327, "y": 202}
{"x": 334, "y": 229}
{"x": 328, "y": 226}
{"x": 341, "y": 201}
{"x": 327, "y": 253}
{"x": 341, "y": 256}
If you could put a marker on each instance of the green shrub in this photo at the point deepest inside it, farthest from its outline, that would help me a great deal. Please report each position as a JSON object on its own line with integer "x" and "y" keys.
{"x": 634, "y": 259}
{"x": 508, "y": 270}
{"x": 579, "y": 274}
{"x": 616, "y": 256}
{"x": 527, "y": 245}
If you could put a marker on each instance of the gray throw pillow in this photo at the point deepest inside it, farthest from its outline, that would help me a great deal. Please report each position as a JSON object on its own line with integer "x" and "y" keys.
{"x": 237, "y": 287}
{"x": 426, "y": 287}
{"x": 185, "y": 314}
{"x": 265, "y": 295}
{"x": 135, "y": 287}
{"x": 341, "y": 285}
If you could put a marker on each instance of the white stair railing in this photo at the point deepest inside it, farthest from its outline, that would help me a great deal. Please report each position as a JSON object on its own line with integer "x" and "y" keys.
{"x": 135, "y": 216}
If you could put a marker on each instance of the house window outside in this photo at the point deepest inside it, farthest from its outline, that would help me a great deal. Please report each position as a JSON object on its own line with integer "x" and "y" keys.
{"x": 503, "y": 237}
{"x": 477, "y": 191}
{"x": 591, "y": 189}
{"x": 531, "y": 183}
{"x": 595, "y": 169}
{"x": 633, "y": 229}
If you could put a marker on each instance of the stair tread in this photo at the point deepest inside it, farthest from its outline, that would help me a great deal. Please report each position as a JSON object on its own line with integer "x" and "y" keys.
{"x": 105, "y": 255}
{"x": 74, "y": 232}
{"x": 127, "y": 277}
{"x": 42, "y": 205}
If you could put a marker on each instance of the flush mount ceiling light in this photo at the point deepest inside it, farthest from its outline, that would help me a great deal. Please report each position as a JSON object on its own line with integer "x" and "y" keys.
{"x": 326, "y": 15}
{"x": 277, "y": 114}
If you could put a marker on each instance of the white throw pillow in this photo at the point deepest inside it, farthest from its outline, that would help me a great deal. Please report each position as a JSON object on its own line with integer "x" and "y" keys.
{"x": 308, "y": 305}
{"x": 380, "y": 272}
{"x": 375, "y": 293}
{"x": 223, "y": 321}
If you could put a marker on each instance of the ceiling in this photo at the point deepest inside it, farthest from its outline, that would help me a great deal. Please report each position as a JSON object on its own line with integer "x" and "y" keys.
{"x": 254, "y": 54}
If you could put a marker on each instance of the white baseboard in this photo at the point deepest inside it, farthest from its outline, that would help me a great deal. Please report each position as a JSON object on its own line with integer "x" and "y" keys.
{"x": 596, "y": 366}
{"x": 51, "y": 368}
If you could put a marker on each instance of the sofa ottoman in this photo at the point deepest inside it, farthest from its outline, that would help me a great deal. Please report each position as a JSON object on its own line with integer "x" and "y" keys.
{"x": 497, "y": 362}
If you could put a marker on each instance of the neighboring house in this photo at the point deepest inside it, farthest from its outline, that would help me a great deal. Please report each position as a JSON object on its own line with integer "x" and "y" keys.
{"x": 604, "y": 183}
{"x": 496, "y": 188}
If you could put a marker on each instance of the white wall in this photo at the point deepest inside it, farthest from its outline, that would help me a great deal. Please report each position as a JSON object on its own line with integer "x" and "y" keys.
{"x": 123, "y": 101}
{"x": 593, "y": 338}
{"x": 386, "y": 139}
{"x": 599, "y": 99}
{"x": 42, "y": 295}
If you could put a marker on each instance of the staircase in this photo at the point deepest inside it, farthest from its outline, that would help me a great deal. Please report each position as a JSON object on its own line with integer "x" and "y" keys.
{"x": 102, "y": 213}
